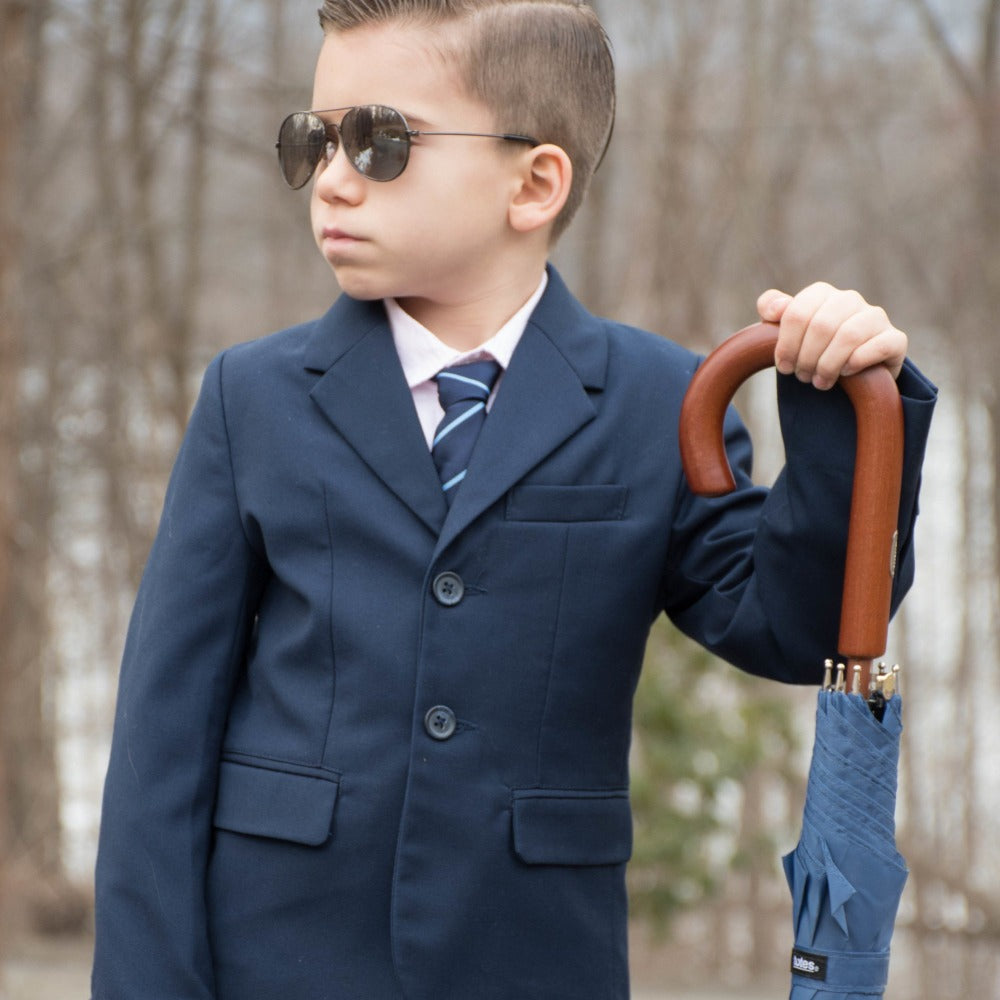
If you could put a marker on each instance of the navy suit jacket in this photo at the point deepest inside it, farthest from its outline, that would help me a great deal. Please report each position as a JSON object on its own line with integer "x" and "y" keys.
{"x": 284, "y": 815}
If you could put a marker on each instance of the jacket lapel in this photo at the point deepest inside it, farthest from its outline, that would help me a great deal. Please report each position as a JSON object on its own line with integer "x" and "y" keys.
{"x": 543, "y": 400}
{"x": 364, "y": 394}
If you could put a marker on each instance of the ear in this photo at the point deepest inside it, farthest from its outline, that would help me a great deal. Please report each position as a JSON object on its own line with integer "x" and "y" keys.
{"x": 545, "y": 179}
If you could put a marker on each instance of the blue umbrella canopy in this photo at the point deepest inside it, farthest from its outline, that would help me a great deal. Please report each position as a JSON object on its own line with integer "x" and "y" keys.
{"x": 845, "y": 874}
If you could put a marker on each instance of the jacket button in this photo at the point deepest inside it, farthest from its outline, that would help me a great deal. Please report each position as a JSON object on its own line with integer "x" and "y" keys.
{"x": 448, "y": 589}
{"x": 440, "y": 722}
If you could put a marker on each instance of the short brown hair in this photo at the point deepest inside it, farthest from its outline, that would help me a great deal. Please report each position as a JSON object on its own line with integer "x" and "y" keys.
{"x": 543, "y": 67}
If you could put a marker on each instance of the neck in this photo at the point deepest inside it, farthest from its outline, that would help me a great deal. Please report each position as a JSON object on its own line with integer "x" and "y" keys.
{"x": 469, "y": 322}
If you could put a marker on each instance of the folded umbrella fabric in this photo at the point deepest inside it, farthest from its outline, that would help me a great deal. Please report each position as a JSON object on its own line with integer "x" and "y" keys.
{"x": 846, "y": 876}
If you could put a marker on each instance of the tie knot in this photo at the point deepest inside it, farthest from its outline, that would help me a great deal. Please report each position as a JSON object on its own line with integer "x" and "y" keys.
{"x": 473, "y": 382}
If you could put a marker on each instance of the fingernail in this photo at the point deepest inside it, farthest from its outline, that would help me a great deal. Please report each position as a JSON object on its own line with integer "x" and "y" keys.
{"x": 777, "y": 302}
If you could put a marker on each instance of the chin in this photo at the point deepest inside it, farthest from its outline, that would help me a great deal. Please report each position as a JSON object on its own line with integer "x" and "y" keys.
{"x": 360, "y": 286}
{"x": 361, "y": 294}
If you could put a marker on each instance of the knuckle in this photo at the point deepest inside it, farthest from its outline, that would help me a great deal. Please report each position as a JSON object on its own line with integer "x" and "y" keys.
{"x": 798, "y": 314}
{"x": 824, "y": 327}
{"x": 854, "y": 336}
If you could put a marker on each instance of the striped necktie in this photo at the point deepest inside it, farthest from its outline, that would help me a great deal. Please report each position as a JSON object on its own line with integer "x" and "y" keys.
{"x": 463, "y": 392}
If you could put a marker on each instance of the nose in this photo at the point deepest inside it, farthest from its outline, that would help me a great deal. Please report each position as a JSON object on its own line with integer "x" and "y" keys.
{"x": 337, "y": 180}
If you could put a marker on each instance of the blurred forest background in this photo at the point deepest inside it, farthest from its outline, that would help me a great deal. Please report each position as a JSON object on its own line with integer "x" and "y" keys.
{"x": 143, "y": 226}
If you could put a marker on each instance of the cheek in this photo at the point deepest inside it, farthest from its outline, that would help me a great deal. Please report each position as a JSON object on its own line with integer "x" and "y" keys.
{"x": 466, "y": 201}
{"x": 315, "y": 210}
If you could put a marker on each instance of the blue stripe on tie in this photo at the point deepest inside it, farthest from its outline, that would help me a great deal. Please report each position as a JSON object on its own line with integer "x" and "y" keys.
{"x": 468, "y": 381}
{"x": 471, "y": 412}
{"x": 454, "y": 481}
{"x": 463, "y": 392}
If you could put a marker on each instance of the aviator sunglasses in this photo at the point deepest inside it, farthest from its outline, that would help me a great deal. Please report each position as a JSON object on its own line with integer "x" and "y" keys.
{"x": 375, "y": 138}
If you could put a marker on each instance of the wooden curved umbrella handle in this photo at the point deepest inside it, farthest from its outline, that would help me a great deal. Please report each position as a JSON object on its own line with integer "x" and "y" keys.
{"x": 871, "y": 543}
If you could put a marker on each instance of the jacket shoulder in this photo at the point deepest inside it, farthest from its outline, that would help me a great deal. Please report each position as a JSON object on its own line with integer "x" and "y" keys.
{"x": 634, "y": 342}
{"x": 645, "y": 357}
{"x": 281, "y": 348}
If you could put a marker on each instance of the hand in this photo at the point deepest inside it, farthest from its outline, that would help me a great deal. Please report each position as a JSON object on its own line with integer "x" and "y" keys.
{"x": 825, "y": 332}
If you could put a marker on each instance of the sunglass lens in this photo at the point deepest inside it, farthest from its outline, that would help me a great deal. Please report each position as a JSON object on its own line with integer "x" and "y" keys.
{"x": 376, "y": 139}
{"x": 302, "y": 140}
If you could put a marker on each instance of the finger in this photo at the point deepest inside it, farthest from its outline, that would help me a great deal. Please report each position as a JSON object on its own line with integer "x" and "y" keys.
{"x": 795, "y": 320}
{"x": 841, "y": 324}
{"x": 887, "y": 347}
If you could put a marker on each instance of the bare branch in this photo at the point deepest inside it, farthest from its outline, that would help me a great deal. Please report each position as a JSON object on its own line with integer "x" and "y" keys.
{"x": 936, "y": 31}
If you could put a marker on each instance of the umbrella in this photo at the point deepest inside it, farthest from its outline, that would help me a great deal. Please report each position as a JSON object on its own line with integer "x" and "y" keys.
{"x": 845, "y": 875}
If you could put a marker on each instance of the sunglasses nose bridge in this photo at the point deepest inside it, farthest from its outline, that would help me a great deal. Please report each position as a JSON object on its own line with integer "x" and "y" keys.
{"x": 338, "y": 177}
{"x": 335, "y": 141}
{"x": 332, "y": 142}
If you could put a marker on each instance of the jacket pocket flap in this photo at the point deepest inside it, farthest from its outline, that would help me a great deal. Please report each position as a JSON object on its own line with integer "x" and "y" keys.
{"x": 538, "y": 502}
{"x": 267, "y": 802}
{"x": 558, "y": 827}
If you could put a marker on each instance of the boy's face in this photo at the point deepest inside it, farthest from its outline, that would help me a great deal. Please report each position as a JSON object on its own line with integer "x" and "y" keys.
{"x": 439, "y": 232}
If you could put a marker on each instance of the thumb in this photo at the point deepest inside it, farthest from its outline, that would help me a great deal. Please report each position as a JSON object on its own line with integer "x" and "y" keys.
{"x": 771, "y": 305}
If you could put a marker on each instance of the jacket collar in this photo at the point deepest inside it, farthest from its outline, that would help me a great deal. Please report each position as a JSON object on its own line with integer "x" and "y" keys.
{"x": 544, "y": 399}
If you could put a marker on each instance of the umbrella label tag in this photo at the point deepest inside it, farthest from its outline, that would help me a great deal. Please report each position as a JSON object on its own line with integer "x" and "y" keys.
{"x": 808, "y": 965}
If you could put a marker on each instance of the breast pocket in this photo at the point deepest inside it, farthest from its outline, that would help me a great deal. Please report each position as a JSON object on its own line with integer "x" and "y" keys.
{"x": 566, "y": 504}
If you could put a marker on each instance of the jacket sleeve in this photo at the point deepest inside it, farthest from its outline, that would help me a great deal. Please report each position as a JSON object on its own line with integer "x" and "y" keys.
{"x": 183, "y": 652}
{"x": 757, "y": 576}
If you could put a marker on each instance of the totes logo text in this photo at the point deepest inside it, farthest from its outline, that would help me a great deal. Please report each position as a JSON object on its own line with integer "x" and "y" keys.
{"x": 808, "y": 965}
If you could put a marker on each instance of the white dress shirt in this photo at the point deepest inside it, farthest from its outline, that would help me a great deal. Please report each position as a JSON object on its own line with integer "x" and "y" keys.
{"x": 423, "y": 355}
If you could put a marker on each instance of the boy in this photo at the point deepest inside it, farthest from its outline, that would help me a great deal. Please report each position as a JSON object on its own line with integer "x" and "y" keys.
{"x": 373, "y": 725}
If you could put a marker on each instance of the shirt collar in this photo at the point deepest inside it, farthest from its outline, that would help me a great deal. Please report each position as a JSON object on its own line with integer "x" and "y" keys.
{"x": 423, "y": 355}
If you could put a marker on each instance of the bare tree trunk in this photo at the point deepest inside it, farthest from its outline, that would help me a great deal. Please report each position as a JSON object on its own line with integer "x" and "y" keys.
{"x": 979, "y": 83}
{"x": 276, "y": 258}
{"x": 13, "y": 26}
{"x": 31, "y": 828}
{"x": 149, "y": 307}
{"x": 114, "y": 304}
{"x": 185, "y": 298}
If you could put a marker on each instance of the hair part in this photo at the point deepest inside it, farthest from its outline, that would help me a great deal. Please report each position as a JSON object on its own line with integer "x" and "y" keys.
{"x": 543, "y": 68}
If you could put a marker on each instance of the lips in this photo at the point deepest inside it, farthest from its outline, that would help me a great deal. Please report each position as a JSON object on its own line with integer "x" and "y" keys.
{"x": 339, "y": 235}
